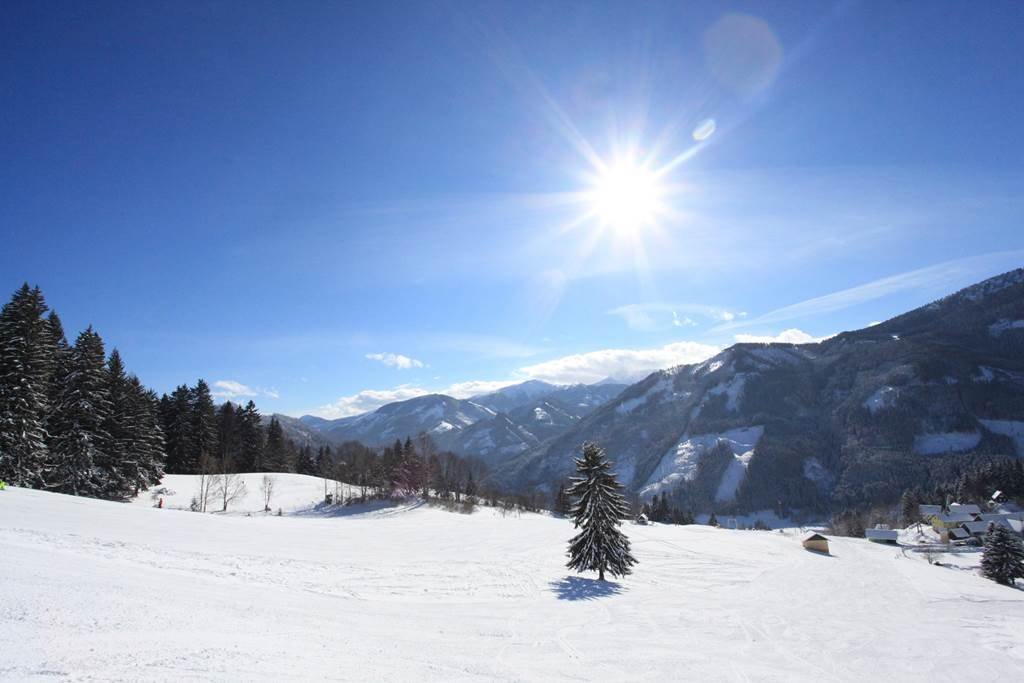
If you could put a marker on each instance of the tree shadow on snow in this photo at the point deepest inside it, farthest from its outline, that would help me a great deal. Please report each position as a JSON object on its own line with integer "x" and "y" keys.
{"x": 580, "y": 588}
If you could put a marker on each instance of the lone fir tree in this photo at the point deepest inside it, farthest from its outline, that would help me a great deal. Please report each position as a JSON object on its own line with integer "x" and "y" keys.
{"x": 1003, "y": 560}
{"x": 599, "y": 510}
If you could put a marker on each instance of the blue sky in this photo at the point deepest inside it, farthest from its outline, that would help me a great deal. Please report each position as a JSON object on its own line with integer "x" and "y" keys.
{"x": 327, "y": 206}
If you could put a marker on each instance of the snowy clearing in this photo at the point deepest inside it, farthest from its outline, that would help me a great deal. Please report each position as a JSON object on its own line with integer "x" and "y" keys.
{"x": 945, "y": 442}
{"x": 108, "y": 590}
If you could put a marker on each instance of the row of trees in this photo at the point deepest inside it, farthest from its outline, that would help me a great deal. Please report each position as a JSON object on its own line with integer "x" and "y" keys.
{"x": 71, "y": 419}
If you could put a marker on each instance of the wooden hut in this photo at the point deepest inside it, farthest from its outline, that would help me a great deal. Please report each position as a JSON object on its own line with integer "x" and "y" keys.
{"x": 816, "y": 542}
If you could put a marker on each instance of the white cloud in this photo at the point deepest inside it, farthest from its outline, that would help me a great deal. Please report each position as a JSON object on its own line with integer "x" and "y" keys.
{"x": 652, "y": 316}
{"x": 790, "y": 336}
{"x": 367, "y": 400}
{"x": 229, "y": 390}
{"x": 395, "y": 360}
{"x": 625, "y": 364}
{"x": 619, "y": 363}
{"x": 932, "y": 279}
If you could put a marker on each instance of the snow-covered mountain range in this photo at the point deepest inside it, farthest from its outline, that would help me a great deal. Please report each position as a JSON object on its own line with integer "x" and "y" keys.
{"x": 492, "y": 427}
{"x": 858, "y": 417}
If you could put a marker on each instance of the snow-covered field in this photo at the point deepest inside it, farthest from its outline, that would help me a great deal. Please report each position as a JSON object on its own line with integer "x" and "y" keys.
{"x": 92, "y": 589}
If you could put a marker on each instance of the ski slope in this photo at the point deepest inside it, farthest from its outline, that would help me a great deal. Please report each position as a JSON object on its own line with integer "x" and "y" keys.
{"x": 93, "y": 589}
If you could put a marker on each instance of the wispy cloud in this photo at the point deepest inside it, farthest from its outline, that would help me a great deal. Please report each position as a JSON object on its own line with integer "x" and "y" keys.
{"x": 229, "y": 389}
{"x": 790, "y": 336}
{"x": 395, "y": 360}
{"x": 619, "y": 363}
{"x": 367, "y": 400}
{"x": 477, "y": 387}
{"x": 658, "y": 315}
{"x": 933, "y": 279}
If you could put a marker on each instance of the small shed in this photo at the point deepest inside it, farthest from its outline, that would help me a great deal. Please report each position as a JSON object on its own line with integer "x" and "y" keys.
{"x": 958, "y": 534}
{"x": 641, "y": 518}
{"x": 882, "y": 535}
{"x": 815, "y": 541}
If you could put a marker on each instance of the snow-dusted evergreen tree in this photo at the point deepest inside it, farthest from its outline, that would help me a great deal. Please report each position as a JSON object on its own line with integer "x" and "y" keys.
{"x": 26, "y": 363}
{"x": 250, "y": 438}
{"x": 275, "y": 455}
{"x": 136, "y": 440}
{"x": 149, "y": 439}
{"x": 204, "y": 422}
{"x": 599, "y": 510}
{"x": 83, "y": 463}
{"x": 1003, "y": 559}
{"x": 176, "y": 416}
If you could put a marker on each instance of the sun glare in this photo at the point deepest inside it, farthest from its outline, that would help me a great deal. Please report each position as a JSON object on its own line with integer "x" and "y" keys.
{"x": 626, "y": 197}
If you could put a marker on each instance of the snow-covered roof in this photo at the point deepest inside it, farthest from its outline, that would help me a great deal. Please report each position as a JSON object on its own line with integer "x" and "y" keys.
{"x": 980, "y": 527}
{"x": 813, "y": 536}
{"x": 955, "y": 518}
{"x": 882, "y": 534}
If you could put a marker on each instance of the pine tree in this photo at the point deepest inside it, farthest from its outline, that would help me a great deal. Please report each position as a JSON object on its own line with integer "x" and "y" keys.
{"x": 250, "y": 439}
{"x": 204, "y": 423}
{"x": 600, "y": 508}
{"x": 83, "y": 464}
{"x": 228, "y": 437}
{"x": 26, "y": 365}
{"x": 1003, "y": 559}
{"x": 148, "y": 438}
{"x": 122, "y": 431}
{"x": 274, "y": 454}
{"x": 176, "y": 417}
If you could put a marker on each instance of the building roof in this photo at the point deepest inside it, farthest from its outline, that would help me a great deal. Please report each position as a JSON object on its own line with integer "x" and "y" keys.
{"x": 993, "y": 516}
{"x": 982, "y": 527}
{"x": 969, "y": 508}
{"x": 959, "y": 533}
{"x": 882, "y": 534}
{"x": 955, "y": 518}
{"x": 929, "y": 510}
{"x": 813, "y": 536}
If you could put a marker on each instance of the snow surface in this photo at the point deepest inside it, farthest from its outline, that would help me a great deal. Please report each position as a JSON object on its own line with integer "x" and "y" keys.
{"x": 93, "y": 589}
{"x": 292, "y": 493}
{"x": 945, "y": 442}
{"x": 1011, "y": 428}
{"x": 680, "y": 462}
{"x": 884, "y": 397}
{"x": 733, "y": 389}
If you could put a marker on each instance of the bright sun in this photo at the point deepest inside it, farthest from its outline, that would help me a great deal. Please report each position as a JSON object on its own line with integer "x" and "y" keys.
{"x": 626, "y": 197}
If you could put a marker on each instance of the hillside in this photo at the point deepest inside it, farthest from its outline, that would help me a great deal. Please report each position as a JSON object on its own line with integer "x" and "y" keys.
{"x": 852, "y": 420}
{"x": 104, "y": 590}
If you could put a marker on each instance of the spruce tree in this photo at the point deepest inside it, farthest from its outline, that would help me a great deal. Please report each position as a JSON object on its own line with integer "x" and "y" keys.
{"x": 176, "y": 416}
{"x": 204, "y": 423}
{"x": 250, "y": 438}
{"x": 83, "y": 464}
{"x": 122, "y": 431}
{"x": 148, "y": 438}
{"x": 1003, "y": 559}
{"x": 275, "y": 453}
{"x": 599, "y": 510}
{"x": 26, "y": 364}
